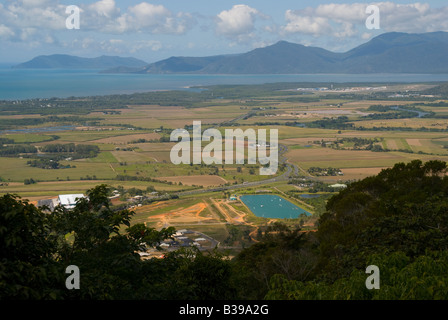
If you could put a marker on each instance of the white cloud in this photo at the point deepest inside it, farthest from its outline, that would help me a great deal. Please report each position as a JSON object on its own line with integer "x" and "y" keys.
{"x": 104, "y": 8}
{"x": 99, "y": 16}
{"x": 340, "y": 27}
{"x": 156, "y": 19}
{"x": 42, "y": 22}
{"x": 348, "y": 20}
{"x": 46, "y": 16}
{"x": 342, "y": 12}
{"x": 31, "y": 22}
{"x": 5, "y": 32}
{"x": 415, "y": 17}
{"x": 314, "y": 25}
{"x": 238, "y": 20}
{"x": 238, "y": 23}
{"x": 149, "y": 14}
{"x": 102, "y": 16}
{"x": 34, "y": 3}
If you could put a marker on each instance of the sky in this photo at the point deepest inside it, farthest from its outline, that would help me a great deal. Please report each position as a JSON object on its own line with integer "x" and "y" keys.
{"x": 154, "y": 30}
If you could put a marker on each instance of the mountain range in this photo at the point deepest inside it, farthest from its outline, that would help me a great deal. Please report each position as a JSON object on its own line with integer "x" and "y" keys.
{"x": 73, "y": 62}
{"x": 387, "y": 53}
{"x": 392, "y": 52}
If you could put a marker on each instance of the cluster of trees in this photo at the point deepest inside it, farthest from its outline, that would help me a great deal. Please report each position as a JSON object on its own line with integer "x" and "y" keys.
{"x": 108, "y": 103}
{"x": 44, "y": 163}
{"x": 341, "y": 123}
{"x": 163, "y": 138}
{"x": 318, "y": 171}
{"x": 318, "y": 203}
{"x": 346, "y": 124}
{"x": 53, "y": 106}
{"x": 88, "y": 177}
{"x": 313, "y": 186}
{"x": 397, "y": 220}
{"x": 76, "y": 151}
{"x": 124, "y": 177}
{"x": 16, "y": 149}
{"x": 15, "y": 123}
{"x": 357, "y": 143}
{"x": 422, "y": 278}
{"x": 29, "y": 181}
{"x": 409, "y": 112}
{"x": 126, "y": 148}
{"x": 6, "y": 141}
{"x": 424, "y": 129}
{"x": 441, "y": 90}
{"x": 401, "y": 114}
{"x": 37, "y": 247}
{"x": 379, "y": 108}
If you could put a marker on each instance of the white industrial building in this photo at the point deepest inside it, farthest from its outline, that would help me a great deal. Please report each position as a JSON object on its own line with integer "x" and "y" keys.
{"x": 68, "y": 201}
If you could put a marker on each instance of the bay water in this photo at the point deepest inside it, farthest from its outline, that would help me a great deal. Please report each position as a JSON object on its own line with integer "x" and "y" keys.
{"x": 20, "y": 84}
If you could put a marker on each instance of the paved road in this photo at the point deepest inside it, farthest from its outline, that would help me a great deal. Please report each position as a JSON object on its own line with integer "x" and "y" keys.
{"x": 290, "y": 169}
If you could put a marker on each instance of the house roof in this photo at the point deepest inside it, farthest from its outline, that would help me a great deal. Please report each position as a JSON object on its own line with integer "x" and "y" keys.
{"x": 338, "y": 185}
{"x": 69, "y": 199}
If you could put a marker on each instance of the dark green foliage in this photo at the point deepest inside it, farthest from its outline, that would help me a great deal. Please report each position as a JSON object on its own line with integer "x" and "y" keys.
{"x": 27, "y": 247}
{"x": 341, "y": 122}
{"x": 46, "y": 164}
{"x": 29, "y": 181}
{"x": 16, "y": 149}
{"x": 16, "y": 123}
{"x": 37, "y": 247}
{"x": 401, "y": 279}
{"x": 404, "y": 208}
{"x": 324, "y": 171}
{"x": 200, "y": 276}
{"x": 440, "y": 90}
{"x": 397, "y": 220}
{"x": 6, "y": 141}
{"x": 75, "y": 151}
{"x": 281, "y": 250}
{"x": 379, "y": 108}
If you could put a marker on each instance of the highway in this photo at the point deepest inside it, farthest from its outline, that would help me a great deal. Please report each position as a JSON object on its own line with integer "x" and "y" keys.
{"x": 291, "y": 169}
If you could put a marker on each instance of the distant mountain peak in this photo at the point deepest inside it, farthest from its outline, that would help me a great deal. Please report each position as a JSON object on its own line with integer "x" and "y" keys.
{"x": 394, "y": 52}
{"x": 74, "y": 62}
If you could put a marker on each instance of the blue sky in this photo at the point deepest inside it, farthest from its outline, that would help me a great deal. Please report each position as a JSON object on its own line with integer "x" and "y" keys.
{"x": 154, "y": 30}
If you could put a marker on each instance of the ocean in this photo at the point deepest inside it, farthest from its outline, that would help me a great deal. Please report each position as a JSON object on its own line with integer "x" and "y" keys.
{"x": 20, "y": 84}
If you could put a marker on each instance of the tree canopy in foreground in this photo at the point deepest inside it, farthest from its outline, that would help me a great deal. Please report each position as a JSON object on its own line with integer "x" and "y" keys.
{"x": 396, "y": 220}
